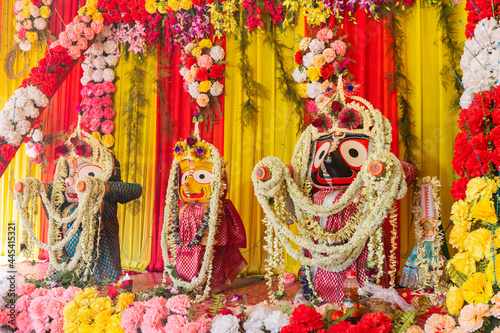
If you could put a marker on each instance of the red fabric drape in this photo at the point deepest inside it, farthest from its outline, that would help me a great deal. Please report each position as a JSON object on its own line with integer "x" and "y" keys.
{"x": 174, "y": 123}
{"x": 61, "y": 114}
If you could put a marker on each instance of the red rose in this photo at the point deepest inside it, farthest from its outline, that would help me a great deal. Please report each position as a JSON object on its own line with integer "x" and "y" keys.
{"x": 327, "y": 71}
{"x": 202, "y": 74}
{"x": 190, "y": 61}
{"x": 298, "y": 57}
{"x": 216, "y": 72}
{"x": 7, "y": 151}
{"x": 307, "y": 317}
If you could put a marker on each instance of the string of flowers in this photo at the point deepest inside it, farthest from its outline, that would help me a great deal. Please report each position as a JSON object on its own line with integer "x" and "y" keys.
{"x": 35, "y": 145}
{"x": 31, "y": 22}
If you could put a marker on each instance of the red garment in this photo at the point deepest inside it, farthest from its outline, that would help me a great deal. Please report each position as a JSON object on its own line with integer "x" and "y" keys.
{"x": 228, "y": 262}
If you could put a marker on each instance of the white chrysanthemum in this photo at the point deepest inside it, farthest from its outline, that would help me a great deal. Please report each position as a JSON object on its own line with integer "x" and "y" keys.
{"x": 307, "y": 60}
{"x": 216, "y": 89}
{"x": 314, "y": 89}
{"x": 276, "y": 321}
{"x": 13, "y": 138}
{"x": 110, "y": 46}
{"x": 31, "y": 110}
{"x": 255, "y": 321}
{"x": 85, "y": 66}
{"x": 25, "y": 45}
{"x": 225, "y": 324}
{"x": 304, "y": 43}
{"x": 37, "y": 96}
{"x": 316, "y": 46}
{"x": 217, "y": 53}
{"x": 299, "y": 75}
{"x": 98, "y": 75}
{"x": 194, "y": 90}
{"x": 37, "y": 135}
{"x": 19, "y": 115}
{"x": 188, "y": 48}
{"x": 109, "y": 75}
{"x": 183, "y": 71}
{"x": 97, "y": 49}
{"x": 88, "y": 74}
{"x": 18, "y": 6}
{"x": 6, "y": 126}
{"x": 23, "y": 127}
{"x": 112, "y": 60}
{"x": 99, "y": 62}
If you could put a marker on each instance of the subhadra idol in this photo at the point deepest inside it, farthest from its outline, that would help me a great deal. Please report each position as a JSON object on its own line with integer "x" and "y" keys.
{"x": 202, "y": 230}
{"x": 339, "y": 189}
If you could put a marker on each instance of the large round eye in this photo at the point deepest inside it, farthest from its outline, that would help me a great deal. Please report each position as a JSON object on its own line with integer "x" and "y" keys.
{"x": 89, "y": 170}
{"x": 321, "y": 152}
{"x": 184, "y": 177}
{"x": 354, "y": 152}
{"x": 202, "y": 176}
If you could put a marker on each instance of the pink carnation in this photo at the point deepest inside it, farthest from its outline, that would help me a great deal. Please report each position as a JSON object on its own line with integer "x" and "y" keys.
{"x": 82, "y": 44}
{"x": 339, "y": 47}
{"x": 311, "y": 108}
{"x": 36, "y": 160}
{"x": 179, "y": 304}
{"x": 23, "y": 322}
{"x": 88, "y": 33}
{"x": 87, "y": 101}
{"x": 108, "y": 87}
{"x": 96, "y": 113}
{"x": 107, "y": 126}
{"x": 37, "y": 308}
{"x": 205, "y": 61}
{"x": 288, "y": 278}
{"x": 98, "y": 90}
{"x": 152, "y": 322}
{"x": 4, "y": 318}
{"x": 132, "y": 317}
{"x": 86, "y": 19}
{"x": 40, "y": 326}
{"x": 324, "y": 35}
{"x": 158, "y": 304}
{"x": 22, "y": 33}
{"x": 109, "y": 113}
{"x": 94, "y": 124}
{"x": 95, "y": 101}
{"x": 38, "y": 148}
{"x": 55, "y": 308}
{"x": 25, "y": 289}
{"x": 175, "y": 323}
{"x": 39, "y": 292}
{"x": 203, "y": 324}
{"x": 56, "y": 326}
{"x": 106, "y": 101}
{"x": 97, "y": 26}
{"x": 74, "y": 52}
{"x": 56, "y": 292}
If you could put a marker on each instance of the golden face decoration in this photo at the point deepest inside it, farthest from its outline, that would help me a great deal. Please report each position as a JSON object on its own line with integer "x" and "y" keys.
{"x": 196, "y": 180}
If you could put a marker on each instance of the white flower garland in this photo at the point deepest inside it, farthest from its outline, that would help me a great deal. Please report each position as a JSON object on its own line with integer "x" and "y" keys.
{"x": 167, "y": 239}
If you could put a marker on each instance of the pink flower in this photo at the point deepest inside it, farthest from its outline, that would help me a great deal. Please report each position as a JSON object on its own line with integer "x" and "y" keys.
{"x": 108, "y": 87}
{"x": 37, "y": 308}
{"x": 203, "y": 324}
{"x": 98, "y": 90}
{"x": 311, "y": 108}
{"x": 158, "y": 304}
{"x": 87, "y": 101}
{"x": 439, "y": 323}
{"x": 205, "y": 61}
{"x": 190, "y": 328}
{"x": 107, "y": 126}
{"x": 339, "y": 47}
{"x": 202, "y": 100}
{"x": 94, "y": 124}
{"x": 36, "y": 160}
{"x": 82, "y": 44}
{"x": 55, "y": 308}
{"x": 288, "y": 278}
{"x": 324, "y": 35}
{"x": 56, "y": 292}
{"x": 97, "y": 26}
{"x": 40, "y": 326}
{"x": 25, "y": 289}
{"x": 106, "y": 101}
{"x": 95, "y": 102}
{"x": 74, "y": 52}
{"x": 109, "y": 113}
{"x": 132, "y": 317}
{"x": 329, "y": 54}
{"x": 22, "y": 33}
{"x": 23, "y": 322}
{"x": 175, "y": 323}
{"x": 183, "y": 58}
{"x": 4, "y": 318}
{"x": 152, "y": 321}
{"x": 56, "y": 326}
{"x": 96, "y": 113}
{"x": 179, "y": 304}
{"x": 79, "y": 28}
{"x": 86, "y": 19}
{"x": 88, "y": 33}
{"x": 39, "y": 292}
{"x": 38, "y": 148}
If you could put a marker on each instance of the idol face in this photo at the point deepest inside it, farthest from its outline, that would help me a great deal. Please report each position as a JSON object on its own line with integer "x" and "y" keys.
{"x": 195, "y": 181}
{"x": 79, "y": 168}
{"x": 337, "y": 158}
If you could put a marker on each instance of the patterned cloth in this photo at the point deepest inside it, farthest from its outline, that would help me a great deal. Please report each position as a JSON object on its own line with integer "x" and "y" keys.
{"x": 228, "y": 261}
{"x": 107, "y": 267}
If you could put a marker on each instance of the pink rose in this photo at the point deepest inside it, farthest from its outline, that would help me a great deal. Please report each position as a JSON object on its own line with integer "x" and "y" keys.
{"x": 205, "y": 61}
{"x": 74, "y": 52}
{"x": 38, "y": 148}
{"x": 86, "y": 19}
{"x": 94, "y": 124}
{"x": 25, "y": 289}
{"x": 109, "y": 113}
{"x": 175, "y": 323}
{"x": 82, "y": 44}
{"x": 88, "y": 33}
{"x": 324, "y": 35}
{"x": 23, "y": 322}
{"x": 132, "y": 317}
{"x": 179, "y": 304}
{"x": 288, "y": 278}
{"x": 22, "y": 33}
{"x": 97, "y": 26}
{"x": 107, "y": 126}
{"x": 37, "y": 308}
{"x": 339, "y": 47}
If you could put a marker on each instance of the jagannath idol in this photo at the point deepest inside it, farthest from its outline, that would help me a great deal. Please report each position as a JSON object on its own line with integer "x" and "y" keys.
{"x": 339, "y": 191}
{"x": 81, "y": 207}
{"x": 202, "y": 230}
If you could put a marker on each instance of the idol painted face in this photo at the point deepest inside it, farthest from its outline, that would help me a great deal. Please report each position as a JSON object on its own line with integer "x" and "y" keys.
{"x": 79, "y": 168}
{"x": 196, "y": 180}
{"x": 337, "y": 158}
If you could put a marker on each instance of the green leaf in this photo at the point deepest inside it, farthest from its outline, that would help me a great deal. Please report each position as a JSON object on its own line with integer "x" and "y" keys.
{"x": 404, "y": 320}
{"x": 218, "y": 302}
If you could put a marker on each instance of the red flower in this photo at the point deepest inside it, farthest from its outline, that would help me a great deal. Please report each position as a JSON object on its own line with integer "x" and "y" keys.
{"x": 216, "y": 72}
{"x": 37, "y": 3}
{"x": 309, "y": 318}
{"x": 318, "y": 122}
{"x": 298, "y": 57}
{"x": 376, "y": 323}
{"x": 197, "y": 2}
{"x": 59, "y": 49}
{"x": 341, "y": 327}
{"x": 294, "y": 329}
{"x": 66, "y": 60}
{"x": 327, "y": 71}
{"x": 59, "y": 71}
{"x": 336, "y": 107}
{"x": 112, "y": 291}
{"x": 7, "y": 151}
{"x": 475, "y": 168}
{"x": 190, "y": 61}
{"x": 202, "y": 74}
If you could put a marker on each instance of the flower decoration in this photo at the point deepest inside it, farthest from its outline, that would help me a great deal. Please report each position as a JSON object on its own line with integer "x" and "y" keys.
{"x": 35, "y": 145}
{"x": 349, "y": 118}
{"x": 180, "y": 150}
{"x": 32, "y": 18}
{"x": 200, "y": 151}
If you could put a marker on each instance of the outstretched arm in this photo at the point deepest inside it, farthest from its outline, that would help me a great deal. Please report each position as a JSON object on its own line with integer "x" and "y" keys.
{"x": 122, "y": 192}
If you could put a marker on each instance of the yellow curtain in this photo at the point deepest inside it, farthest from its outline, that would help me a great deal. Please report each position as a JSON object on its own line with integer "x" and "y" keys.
{"x": 435, "y": 124}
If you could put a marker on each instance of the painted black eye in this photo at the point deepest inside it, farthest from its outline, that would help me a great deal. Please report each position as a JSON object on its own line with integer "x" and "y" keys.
{"x": 353, "y": 152}
{"x": 320, "y": 154}
{"x": 184, "y": 177}
{"x": 89, "y": 170}
{"x": 202, "y": 176}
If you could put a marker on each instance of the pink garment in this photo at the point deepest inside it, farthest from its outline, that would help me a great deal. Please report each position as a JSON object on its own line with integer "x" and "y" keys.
{"x": 228, "y": 262}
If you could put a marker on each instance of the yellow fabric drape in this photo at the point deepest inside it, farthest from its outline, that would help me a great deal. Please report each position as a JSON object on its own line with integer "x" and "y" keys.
{"x": 274, "y": 134}
{"x": 435, "y": 125}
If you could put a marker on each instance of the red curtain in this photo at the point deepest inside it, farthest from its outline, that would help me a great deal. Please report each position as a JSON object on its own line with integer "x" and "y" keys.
{"x": 174, "y": 123}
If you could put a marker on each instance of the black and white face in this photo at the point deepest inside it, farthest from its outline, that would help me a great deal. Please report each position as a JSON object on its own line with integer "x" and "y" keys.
{"x": 338, "y": 165}
{"x": 79, "y": 168}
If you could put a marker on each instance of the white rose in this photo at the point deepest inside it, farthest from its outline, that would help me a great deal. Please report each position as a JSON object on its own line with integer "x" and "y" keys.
{"x": 314, "y": 89}
{"x": 194, "y": 90}
{"x": 189, "y": 47}
{"x": 307, "y": 61}
{"x": 37, "y": 135}
{"x": 217, "y": 53}
{"x": 225, "y": 324}
{"x": 110, "y": 46}
{"x": 216, "y": 89}
{"x": 109, "y": 75}
{"x": 35, "y": 11}
{"x": 25, "y": 45}
{"x": 112, "y": 60}
{"x": 97, "y": 76}
{"x": 97, "y": 49}
{"x": 276, "y": 321}
{"x": 316, "y": 46}
{"x": 304, "y": 43}
{"x": 13, "y": 138}
{"x": 299, "y": 75}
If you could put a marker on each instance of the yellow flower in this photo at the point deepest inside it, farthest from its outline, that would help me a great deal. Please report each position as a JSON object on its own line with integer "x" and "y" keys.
{"x": 186, "y": 4}
{"x": 480, "y": 188}
{"x": 85, "y": 315}
{"x": 70, "y": 326}
{"x": 97, "y": 16}
{"x": 458, "y": 235}
{"x": 101, "y": 319}
{"x": 45, "y": 12}
{"x": 484, "y": 210}
{"x": 302, "y": 90}
{"x": 477, "y": 289}
{"x": 174, "y": 5}
{"x": 200, "y": 151}
{"x": 489, "y": 270}
{"x": 124, "y": 300}
{"x": 102, "y": 304}
{"x": 454, "y": 300}
{"x": 114, "y": 324}
{"x": 70, "y": 310}
{"x": 478, "y": 244}
{"x": 31, "y": 36}
{"x": 150, "y": 7}
{"x": 108, "y": 140}
{"x": 313, "y": 73}
{"x": 86, "y": 328}
{"x": 205, "y": 86}
{"x": 205, "y": 43}
{"x": 196, "y": 52}
{"x": 180, "y": 150}
{"x": 26, "y": 13}
{"x": 463, "y": 263}
{"x": 97, "y": 135}
{"x": 85, "y": 296}
{"x": 460, "y": 211}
